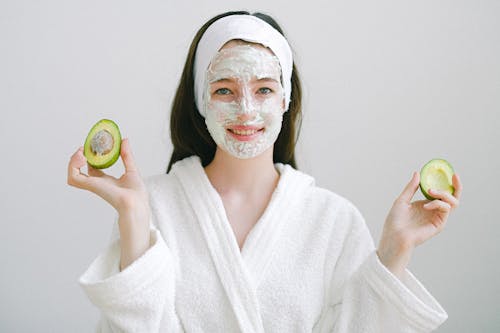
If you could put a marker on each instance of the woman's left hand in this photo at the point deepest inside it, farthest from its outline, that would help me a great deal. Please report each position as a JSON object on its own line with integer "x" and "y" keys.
{"x": 410, "y": 224}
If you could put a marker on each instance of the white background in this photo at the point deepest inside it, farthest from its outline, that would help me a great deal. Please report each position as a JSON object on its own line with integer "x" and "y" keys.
{"x": 388, "y": 86}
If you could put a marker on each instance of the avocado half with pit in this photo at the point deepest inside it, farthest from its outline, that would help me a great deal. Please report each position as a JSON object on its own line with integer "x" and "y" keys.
{"x": 103, "y": 144}
{"x": 436, "y": 174}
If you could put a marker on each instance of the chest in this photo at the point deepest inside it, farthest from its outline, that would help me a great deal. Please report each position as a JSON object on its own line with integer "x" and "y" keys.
{"x": 242, "y": 216}
{"x": 291, "y": 286}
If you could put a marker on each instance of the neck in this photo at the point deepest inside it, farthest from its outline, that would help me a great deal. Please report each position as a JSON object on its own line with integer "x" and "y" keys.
{"x": 229, "y": 174}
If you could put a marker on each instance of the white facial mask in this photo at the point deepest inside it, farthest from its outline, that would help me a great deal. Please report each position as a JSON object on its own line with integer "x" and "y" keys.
{"x": 241, "y": 100}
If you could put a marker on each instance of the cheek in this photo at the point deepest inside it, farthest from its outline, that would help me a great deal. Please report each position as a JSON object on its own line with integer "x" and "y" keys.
{"x": 222, "y": 112}
{"x": 272, "y": 111}
{"x": 273, "y": 119}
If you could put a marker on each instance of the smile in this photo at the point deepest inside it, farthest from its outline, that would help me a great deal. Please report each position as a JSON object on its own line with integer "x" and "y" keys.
{"x": 245, "y": 135}
{"x": 244, "y": 132}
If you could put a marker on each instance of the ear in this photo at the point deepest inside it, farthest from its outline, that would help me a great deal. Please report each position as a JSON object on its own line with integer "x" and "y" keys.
{"x": 283, "y": 105}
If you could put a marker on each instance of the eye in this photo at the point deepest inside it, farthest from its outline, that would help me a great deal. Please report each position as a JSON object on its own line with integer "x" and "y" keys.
{"x": 265, "y": 90}
{"x": 222, "y": 91}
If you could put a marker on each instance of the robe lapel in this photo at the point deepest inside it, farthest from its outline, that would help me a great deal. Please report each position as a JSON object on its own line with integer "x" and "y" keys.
{"x": 240, "y": 272}
{"x": 221, "y": 243}
{"x": 264, "y": 238}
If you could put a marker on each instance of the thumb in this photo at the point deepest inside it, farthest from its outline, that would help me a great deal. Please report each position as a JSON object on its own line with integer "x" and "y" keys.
{"x": 410, "y": 189}
{"x": 127, "y": 157}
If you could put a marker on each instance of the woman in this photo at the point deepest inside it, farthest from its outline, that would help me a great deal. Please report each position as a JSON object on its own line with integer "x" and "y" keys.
{"x": 234, "y": 238}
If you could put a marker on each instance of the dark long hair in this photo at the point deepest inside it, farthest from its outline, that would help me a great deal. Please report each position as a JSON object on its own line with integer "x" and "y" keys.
{"x": 188, "y": 131}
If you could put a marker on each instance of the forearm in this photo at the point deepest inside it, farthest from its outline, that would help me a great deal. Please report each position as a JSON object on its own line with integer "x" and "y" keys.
{"x": 134, "y": 235}
{"x": 396, "y": 259}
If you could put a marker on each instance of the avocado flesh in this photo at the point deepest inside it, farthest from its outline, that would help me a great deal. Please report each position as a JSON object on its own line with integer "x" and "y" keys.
{"x": 103, "y": 143}
{"x": 436, "y": 174}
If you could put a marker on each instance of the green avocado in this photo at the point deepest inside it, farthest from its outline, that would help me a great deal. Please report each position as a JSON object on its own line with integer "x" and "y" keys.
{"x": 103, "y": 143}
{"x": 436, "y": 174}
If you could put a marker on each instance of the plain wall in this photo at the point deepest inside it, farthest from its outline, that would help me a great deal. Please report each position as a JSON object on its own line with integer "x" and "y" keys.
{"x": 388, "y": 86}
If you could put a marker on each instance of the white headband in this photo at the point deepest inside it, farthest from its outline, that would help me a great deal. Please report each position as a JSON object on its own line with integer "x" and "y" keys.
{"x": 246, "y": 27}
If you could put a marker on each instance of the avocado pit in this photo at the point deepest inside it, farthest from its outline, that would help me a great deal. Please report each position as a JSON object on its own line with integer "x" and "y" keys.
{"x": 102, "y": 143}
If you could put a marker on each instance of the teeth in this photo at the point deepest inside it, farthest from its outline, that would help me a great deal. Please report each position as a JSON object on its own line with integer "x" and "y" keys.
{"x": 248, "y": 132}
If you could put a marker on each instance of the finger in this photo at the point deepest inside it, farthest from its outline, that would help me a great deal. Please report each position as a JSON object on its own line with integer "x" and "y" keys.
{"x": 445, "y": 196}
{"x": 127, "y": 157}
{"x": 410, "y": 189}
{"x": 457, "y": 184}
{"x": 98, "y": 173}
{"x": 438, "y": 205}
{"x": 94, "y": 172}
{"x": 75, "y": 176}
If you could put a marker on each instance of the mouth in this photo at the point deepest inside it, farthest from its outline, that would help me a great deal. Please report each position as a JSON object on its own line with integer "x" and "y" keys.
{"x": 243, "y": 133}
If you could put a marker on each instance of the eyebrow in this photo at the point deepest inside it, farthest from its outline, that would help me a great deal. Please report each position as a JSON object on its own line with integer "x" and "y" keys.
{"x": 221, "y": 80}
{"x": 267, "y": 79}
{"x": 264, "y": 79}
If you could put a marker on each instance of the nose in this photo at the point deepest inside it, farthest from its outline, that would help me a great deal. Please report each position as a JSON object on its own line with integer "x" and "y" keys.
{"x": 245, "y": 117}
{"x": 247, "y": 110}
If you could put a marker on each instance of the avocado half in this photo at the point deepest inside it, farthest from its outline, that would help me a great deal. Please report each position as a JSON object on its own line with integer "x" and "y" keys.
{"x": 103, "y": 143}
{"x": 436, "y": 174}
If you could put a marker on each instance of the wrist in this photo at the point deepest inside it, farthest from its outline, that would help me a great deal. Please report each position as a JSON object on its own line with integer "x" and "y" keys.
{"x": 395, "y": 259}
{"x": 134, "y": 223}
{"x": 137, "y": 211}
{"x": 135, "y": 235}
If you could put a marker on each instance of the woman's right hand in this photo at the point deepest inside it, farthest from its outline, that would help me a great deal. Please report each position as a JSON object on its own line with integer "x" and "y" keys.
{"x": 127, "y": 194}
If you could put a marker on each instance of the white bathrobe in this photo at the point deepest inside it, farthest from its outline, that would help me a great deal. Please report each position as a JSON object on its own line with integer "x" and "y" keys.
{"x": 308, "y": 265}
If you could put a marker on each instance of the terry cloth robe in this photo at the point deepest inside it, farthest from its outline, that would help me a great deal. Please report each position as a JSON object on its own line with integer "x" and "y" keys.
{"x": 308, "y": 265}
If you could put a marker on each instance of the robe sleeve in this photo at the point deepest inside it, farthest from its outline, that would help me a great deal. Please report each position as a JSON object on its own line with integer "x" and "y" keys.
{"x": 141, "y": 297}
{"x": 364, "y": 296}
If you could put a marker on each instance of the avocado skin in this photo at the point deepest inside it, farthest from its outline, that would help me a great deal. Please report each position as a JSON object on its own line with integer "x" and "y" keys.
{"x": 433, "y": 161}
{"x": 117, "y": 139}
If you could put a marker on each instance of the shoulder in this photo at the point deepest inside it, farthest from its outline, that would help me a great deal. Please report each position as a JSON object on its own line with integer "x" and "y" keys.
{"x": 344, "y": 220}
{"x": 167, "y": 180}
{"x": 334, "y": 202}
{"x": 323, "y": 196}
{"x": 327, "y": 205}
{"x": 345, "y": 204}
{"x": 156, "y": 180}
{"x": 330, "y": 216}
{"x": 316, "y": 195}
{"x": 330, "y": 197}
{"x": 161, "y": 184}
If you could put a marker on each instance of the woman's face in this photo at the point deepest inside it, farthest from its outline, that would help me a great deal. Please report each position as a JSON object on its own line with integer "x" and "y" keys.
{"x": 244, "y": 99}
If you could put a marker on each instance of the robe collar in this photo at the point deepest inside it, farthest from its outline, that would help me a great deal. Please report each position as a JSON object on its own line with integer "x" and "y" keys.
{"x": 242, "y": 271}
